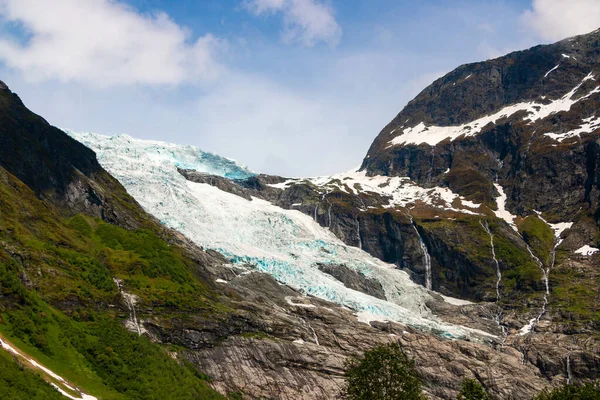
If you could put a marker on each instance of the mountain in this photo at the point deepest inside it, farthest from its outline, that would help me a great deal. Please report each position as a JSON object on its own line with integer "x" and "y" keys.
{"x": 142, "y": 269}
{"x": 103, "y": 300}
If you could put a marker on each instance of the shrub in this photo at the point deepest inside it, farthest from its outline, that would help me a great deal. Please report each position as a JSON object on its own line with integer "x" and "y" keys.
{"x": 572, "y": 392}
{"x": 383, "y": 373}
{"x": 471, "y": 389}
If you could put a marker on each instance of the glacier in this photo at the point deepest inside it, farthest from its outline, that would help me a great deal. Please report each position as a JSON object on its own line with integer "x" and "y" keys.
{"x": 286, "y": 244}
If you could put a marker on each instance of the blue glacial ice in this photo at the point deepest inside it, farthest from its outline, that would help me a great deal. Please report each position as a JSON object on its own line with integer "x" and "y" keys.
{"x": 283, "y": 243}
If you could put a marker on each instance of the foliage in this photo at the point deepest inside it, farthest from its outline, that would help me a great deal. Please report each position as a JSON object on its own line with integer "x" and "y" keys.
{"x": 19, "y": 383}
{"x": 539, "y": 237}
{"x": 383, "y": 373}
{"x": 572, "y": 392}
{"x": 55, "y": 288}
{"x": 471, "y": 389}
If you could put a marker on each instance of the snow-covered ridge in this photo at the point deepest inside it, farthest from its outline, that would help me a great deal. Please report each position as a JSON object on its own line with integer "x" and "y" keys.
{"x": 433, "y": 135}
{"x": 401, "y": 191}
{"x": 283, "y": 243}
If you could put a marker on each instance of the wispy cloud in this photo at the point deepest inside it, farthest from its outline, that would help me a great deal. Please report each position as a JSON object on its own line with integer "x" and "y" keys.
{"x": 103, "y": 43}
{"x": 307, "y": 22}
{"x": 558, "y": 19}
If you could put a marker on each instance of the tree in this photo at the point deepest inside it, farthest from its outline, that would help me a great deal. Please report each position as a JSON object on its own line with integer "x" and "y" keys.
{"x": 471, "y": 389}
{"x": 572, "y": 392}
{"x": 383, "y": 373}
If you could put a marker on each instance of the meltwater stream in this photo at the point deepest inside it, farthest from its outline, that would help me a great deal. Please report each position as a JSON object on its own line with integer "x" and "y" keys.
{"x": 283, "y": 243}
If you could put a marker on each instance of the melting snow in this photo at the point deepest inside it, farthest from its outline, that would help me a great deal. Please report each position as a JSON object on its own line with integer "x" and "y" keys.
{"x": 401, "y": 190}
{"x": 283, "y": 243}
{"x": 63, "y": 382}
{"x": 455, "y": 301}
{"x": 587, "y": 250}
{"x": 589, "y": 125}
{"x": 548, "y": 73}
{"x": 433, "y": 135}
{"x": 502, "y": 212}
{"x": 560, "y": 228}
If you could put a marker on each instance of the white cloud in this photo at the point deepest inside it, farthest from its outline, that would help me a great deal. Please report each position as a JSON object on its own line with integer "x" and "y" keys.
{"x": 558, "y": 19}
{"x": 104, "y": 43}
{"x": 306, "y": 21}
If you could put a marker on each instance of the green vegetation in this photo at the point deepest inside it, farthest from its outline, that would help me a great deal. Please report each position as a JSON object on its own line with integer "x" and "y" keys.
{"x": 19, "y": 383}
{"x": 539, "y": 237}
{"x": 471, "y": 389}
{"x": 471, "y": 184}
{"x": 55, "y": 288}
{"x": 572, "y": 392}
{"x": 383, "y": 373}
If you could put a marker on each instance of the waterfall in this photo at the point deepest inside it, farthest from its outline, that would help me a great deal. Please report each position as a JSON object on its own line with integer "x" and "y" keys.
{"x": 546, "y": 283}
{"x": 324, "y": 198}
{"x": 358, "y": 233}
{"x": 130, "y": 301}
{"x": 426, "y": 257}
{"x": 499, "y": 317}
{"x": 498, "y": 272}
{"x": 569, "y": 374}
{"x": 546, "y": 271}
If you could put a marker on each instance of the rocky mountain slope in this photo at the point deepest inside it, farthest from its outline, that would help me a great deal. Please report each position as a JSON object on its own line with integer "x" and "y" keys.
{"x": 484, "y": 188}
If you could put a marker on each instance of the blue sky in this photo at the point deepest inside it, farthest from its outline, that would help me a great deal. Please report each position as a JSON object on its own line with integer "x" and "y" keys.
{"x": 288, "y": 87}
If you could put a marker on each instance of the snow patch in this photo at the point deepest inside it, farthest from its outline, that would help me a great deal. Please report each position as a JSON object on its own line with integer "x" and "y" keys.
{"x": 548, "y": 73}
{"x": 589, "y": 125}
{"x": 587, "y": 250}
{"x": 455, "y": 301}
{"x": 502, "y": 212}
{"x": 433, "y": 135}
{"x": 401, "y": 191}
{"x": 560, "y": 227}
{"x": 35, "y": 364}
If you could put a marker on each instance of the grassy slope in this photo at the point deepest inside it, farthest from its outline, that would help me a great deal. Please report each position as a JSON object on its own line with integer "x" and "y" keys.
{"x": 62, "y": 316}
